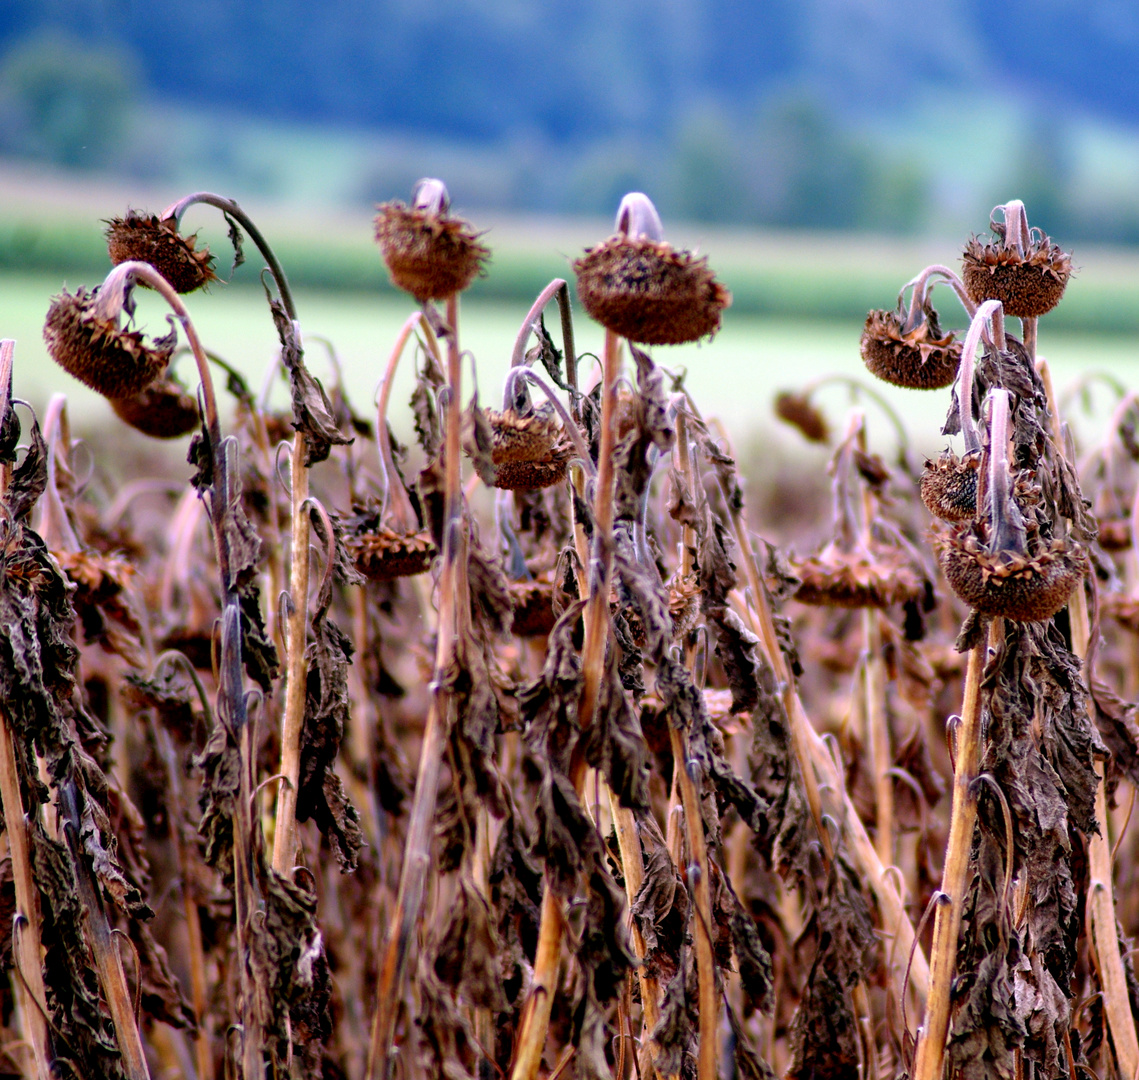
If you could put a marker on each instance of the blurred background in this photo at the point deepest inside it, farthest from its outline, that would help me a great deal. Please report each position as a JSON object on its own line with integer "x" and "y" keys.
{"x": 819, "y": 151}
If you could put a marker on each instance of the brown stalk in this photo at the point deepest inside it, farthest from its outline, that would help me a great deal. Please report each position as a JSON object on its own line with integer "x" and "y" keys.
{"x": 878, "y": 730}
{"x": 559, "y": 288}
{"x": 296, "y": 667}
{"x": 633, "y": 866}
{"x": 224, "y": 458}
{"x": 698, "y": 879}
{"x": 417, "y": 850}
{"x": 930, "y": 1054}
{"x": 877, "y": 724}
{"x": 176, "y": 803}
{"x": 396, "y": 502}
{"x": 698, "y": 874}
{"x": 811, "y": 754}
{"x": 1101, "y": 901}
{"x": 108, "y": 960}
{"x": 536, "y": 1016}
{"x": 26, "y": 940}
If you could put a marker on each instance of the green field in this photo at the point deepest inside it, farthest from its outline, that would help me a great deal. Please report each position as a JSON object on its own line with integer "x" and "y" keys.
{"x": 799, "y": 300}
{"x": 734, "y": 377}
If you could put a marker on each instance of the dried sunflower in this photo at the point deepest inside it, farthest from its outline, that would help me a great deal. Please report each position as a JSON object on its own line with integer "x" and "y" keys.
{"x": 428, "y": 253}
{"x": 162, "y": 410}
{"x": 150, "y": 240}
{"x": 83, "y": 336}
{"x": 1022, "y": 268}
{"x": 641, "y": 288}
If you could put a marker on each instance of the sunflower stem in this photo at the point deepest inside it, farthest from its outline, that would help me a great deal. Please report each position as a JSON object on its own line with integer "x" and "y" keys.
{"x": 1101, "y": 898}
{"x": 26, "y": 938}
{"x": 417, "y": 850}
{"x": 536, "y": 1016}
{"x": 930, "y": 1053}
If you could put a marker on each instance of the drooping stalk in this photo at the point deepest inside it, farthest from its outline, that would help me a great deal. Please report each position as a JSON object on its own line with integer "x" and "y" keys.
{"x": 568, "y": 423}
{"x": 559, "y": 288}
{"x": 921, "y": 286}
{"x": 930, "y": 1054}
{"x": 988, "y": 318}
{"x": 396, "y": 505}
{"x": 417, "y": 850}
{"x": 296, "y": 630}
{"x": 222, "y": 498}
{"x": 536, "y": 1016}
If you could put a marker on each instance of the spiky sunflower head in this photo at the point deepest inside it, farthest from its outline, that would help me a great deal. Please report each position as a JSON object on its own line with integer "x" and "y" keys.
{"x": 148, "y": 239}
{"x": 428, "y": 252}
{"x": 641, "y": 288}
{"x": 83, "y": 334}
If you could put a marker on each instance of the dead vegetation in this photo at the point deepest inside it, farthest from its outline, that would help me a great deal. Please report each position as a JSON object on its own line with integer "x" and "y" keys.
{"x": 309, "y": 770}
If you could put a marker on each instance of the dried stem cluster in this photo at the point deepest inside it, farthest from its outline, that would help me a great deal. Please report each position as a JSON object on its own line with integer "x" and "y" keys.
{"x": 598, "y": 784}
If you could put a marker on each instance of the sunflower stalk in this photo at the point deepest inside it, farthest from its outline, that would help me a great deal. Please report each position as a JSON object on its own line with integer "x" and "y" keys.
{"x": 223, "y": 503}
{"x": 1101, "y": 899}
{"x": 417, "y": 851}
{"x": 26, "y": 938}
{"x": 812, "y": 754}
{"x": 931, "y": 1041}
{"x": 699, "y": 876}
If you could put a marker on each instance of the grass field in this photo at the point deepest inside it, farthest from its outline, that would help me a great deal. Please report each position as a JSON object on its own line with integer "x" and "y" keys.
{"x": 799, "y": 300}
{"x": 734, "y": 376}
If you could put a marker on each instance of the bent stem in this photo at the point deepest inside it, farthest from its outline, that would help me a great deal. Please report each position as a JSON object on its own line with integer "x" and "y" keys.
{"x": 921, "y": 286}
{"x": 991, "y": 313}
{"x": 568, "y": 423}
{"x": 558, "y": 287}
{"x": 296, "y": 668}
{"x": 395, "y": 499}
{"x": 222, "y": 501}
{"x": 232, "y": 209}
{"x": 930, "y": 1054}
{"x": 417, "y": 850}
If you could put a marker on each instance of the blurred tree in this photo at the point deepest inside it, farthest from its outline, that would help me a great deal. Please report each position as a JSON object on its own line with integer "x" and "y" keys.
{"x": 707, "y": 168}
{"x": 65, "y": 101}
{"x": 807, "y": 171}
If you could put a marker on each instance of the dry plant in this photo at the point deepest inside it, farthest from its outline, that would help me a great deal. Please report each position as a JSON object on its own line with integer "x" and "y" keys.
{"x": 309, "y": 769}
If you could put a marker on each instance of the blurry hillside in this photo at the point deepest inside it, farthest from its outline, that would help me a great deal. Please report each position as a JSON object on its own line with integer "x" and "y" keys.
{"x": 881, "y": 115}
